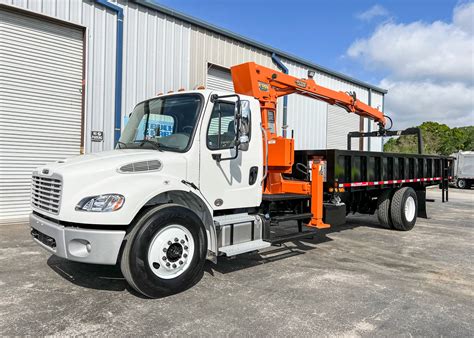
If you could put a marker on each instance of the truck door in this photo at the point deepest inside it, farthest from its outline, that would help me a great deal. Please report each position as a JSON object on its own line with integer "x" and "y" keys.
{"x": 230, "y": 183}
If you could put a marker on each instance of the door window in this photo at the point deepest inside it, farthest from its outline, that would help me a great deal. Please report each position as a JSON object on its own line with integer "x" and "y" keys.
{"x": 221, "y": 130}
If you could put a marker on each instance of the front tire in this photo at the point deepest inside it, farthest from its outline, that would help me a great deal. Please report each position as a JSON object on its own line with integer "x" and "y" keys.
{"x": 404, "y": 209}
{"x": 165, "y": 251}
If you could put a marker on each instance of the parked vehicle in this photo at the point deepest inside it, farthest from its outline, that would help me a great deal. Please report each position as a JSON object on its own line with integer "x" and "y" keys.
{"x": 463, "y": 169}
{"x": 200, "y": 174}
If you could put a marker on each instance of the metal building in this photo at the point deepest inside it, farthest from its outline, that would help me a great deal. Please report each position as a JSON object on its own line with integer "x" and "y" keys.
{"x": 72, "y": 70}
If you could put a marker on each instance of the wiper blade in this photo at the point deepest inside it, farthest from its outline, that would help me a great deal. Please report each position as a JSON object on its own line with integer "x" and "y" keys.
{"x": 153, "y": 144}
{"x": 162, "y": 146}
{"x": 120, "y": 144}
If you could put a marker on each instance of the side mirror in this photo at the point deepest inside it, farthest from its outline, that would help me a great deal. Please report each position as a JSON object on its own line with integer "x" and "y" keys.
{"x": 243, "y": 130}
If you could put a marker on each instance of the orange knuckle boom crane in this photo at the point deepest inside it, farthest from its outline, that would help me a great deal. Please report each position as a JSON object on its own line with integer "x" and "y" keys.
{"x": 267, "y": 85}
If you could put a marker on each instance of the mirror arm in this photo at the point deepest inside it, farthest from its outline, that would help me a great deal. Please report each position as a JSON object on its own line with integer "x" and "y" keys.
{"x": 218, "y": 157}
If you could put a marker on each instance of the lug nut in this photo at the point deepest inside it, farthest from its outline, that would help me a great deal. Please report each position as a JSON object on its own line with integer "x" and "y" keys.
{"x": 174, "y": 266}
{"x": 182, "y": 241}
{"x": 176, "y": 239}
{"x": 156, "y": 265}
{"x": 168, "y": 264}
{"x": 185, "y": 247}
{"x": 164, "y": 258}
{"x": 180, "y": 262}
{"x": 185, "y": 255}
{"x": 169, "y": 243}
{"x": 164, "y": 249}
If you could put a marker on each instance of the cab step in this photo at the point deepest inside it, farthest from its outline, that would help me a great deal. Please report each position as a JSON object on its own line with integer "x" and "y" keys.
{"x": 237, "y": 249}
{"x": 290, "y": 217}
{"x": 307, "y": 234}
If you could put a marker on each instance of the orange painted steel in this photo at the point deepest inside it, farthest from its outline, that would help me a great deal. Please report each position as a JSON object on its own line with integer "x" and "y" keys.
{"x": 317, "y": 197}
{"x": 267, "y": 85}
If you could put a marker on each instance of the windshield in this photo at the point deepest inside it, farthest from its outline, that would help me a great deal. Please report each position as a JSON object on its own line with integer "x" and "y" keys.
{"x": 165, "y": 123}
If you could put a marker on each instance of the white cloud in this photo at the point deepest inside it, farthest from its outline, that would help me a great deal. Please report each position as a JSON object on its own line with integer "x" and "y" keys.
{"x": 463, "y": 17}
{"x": 372, "y": 12}
{"x": 428, "y": 68}
{"x": 413, "y": 102}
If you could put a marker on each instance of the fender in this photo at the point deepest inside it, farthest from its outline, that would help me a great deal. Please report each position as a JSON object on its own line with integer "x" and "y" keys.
{"x": 194, "y": 201}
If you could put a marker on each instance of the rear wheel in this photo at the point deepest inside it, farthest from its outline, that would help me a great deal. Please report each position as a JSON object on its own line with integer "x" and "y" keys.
{"x": 165, "y": 251}
{"x": 404, "y": 209}
{"x": 383, "y": 209}
{"x": 461, "y": 184}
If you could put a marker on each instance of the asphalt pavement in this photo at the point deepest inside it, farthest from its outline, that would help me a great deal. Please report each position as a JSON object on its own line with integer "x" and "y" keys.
{"x": 356, "y": 280}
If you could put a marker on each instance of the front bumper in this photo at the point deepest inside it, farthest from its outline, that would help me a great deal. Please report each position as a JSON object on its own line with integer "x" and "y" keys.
{"x": 77, "y": 244}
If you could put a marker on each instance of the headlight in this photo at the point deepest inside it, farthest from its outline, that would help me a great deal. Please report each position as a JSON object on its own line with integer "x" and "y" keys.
{"x": 101, "y": 203}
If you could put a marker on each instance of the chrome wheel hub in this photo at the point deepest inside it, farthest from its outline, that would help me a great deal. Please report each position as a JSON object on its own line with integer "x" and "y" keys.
{"x": 171, "y": 251}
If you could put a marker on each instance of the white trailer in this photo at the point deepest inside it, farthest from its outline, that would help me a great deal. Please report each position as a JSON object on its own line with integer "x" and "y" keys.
{"x": 463, "y": 169}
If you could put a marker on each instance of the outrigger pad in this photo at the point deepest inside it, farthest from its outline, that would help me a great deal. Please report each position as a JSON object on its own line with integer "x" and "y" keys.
{"x": 334, "y": 214}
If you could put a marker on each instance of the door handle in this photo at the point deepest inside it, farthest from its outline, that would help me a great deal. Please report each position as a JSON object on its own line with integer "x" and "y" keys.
{"x": 253, "y": 173}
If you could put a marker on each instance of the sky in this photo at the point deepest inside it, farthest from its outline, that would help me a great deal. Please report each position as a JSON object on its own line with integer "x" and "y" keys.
{"x": 422, "y": 51}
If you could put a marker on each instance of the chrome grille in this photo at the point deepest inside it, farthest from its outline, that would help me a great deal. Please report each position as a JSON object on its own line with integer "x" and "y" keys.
{"x": 46, "y": 193}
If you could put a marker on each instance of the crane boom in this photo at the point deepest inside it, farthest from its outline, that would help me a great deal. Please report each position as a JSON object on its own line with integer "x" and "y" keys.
{"x": 267, "y": 85}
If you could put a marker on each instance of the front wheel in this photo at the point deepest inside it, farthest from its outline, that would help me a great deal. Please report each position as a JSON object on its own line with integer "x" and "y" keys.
{"x": 165, "y": 252}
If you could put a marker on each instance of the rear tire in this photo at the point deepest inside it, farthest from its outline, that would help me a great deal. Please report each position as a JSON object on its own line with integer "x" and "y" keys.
{"x": 383, "y": 209}
{"x": 165, "y": 251}
{"x": 461, "y": 184}
{"x": 404, "y": 209}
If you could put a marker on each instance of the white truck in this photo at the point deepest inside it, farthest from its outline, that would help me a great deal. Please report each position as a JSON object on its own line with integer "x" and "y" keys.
{"x": 198, "y": 174}
{"x": 463, "y": 169}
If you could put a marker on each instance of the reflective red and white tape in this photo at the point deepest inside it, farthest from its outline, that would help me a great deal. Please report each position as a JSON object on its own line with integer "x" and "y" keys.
{"x": 367, "y": 184}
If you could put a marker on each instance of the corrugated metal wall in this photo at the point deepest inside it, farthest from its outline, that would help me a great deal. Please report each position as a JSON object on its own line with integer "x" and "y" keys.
{"x": 377, "y": 102}
{"x": 162, "y": 53}
{"x": 306, "y": 117}
{"x": 156, "y": 55}
{"x": 208, "y": 47}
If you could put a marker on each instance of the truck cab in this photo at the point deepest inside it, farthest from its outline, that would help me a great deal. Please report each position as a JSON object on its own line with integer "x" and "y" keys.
{"x": 182, "y": 160}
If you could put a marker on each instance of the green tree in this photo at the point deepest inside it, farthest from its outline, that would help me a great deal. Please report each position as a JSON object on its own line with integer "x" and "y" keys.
{"x": 438, "y": 139}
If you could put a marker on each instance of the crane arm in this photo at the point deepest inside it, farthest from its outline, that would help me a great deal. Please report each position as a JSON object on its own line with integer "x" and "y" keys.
{"x": 267, "y": 85}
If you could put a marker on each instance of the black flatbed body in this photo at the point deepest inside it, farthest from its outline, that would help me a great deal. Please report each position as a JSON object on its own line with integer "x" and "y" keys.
{"x": 365, "y": 170}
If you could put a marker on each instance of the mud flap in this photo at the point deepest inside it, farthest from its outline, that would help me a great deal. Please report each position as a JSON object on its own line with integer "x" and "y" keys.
{"x": 421, "y": 196}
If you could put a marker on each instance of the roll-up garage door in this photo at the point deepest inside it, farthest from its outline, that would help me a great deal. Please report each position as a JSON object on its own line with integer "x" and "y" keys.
{"x": 340, "y": 123}
{"x": 41, "y": 72}
{"x": 219, "y": 78}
